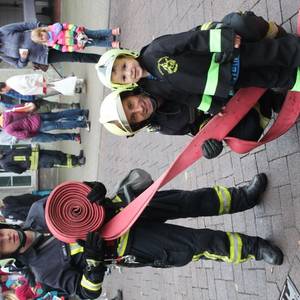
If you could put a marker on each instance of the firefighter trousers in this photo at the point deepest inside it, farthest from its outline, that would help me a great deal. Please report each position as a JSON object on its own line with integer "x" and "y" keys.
{"x": 164, "y": 245}
{"x": 174, "y": 204}
{"x": 159, "y": 244}
{"x": 54, "y": 159}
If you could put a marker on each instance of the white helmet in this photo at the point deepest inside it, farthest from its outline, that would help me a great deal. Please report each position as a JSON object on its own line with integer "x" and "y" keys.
{"x": 105, "y": 65}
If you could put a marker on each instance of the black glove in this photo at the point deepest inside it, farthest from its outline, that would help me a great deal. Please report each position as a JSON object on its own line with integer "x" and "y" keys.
{"x": 94, "y": 247}
{"x": 211, "y": 148}
{"x": 98, "y": 192}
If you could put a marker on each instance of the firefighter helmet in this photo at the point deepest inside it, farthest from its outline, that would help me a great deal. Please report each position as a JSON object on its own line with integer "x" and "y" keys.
{"x": 113, "y": 117}
{"x": 105, "y": 65}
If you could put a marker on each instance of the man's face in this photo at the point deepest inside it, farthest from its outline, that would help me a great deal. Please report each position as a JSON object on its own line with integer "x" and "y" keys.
{"x": 137, "y": 108}
{"x": 9, "y": 241}
{"x": 126, "y": 70}
{"x": 5, "y": 89}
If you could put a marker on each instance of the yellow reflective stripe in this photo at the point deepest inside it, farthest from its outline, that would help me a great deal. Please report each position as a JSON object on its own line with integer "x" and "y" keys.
{"x": 236, "y": 245}
{"x": 206, "y": 26}
{"x": 212, "y": 77}
{"x": 34, "y": 159}
{"x": 116, "y": 199}
{"x": 272, "y": 31}
{"x": 215, "y": 40}
{"x": 205, "y": 103}
{"x": 211, "y": 256}
{"x": 204, "y": 123}
{"x": 19, "y": 158}
{"x": 263, "y": 121}
{"x": 90, "y": 285}
{"x": 75, "y": 248}
{"x": 69, "y": 161}
{"x": 296, "y": 87}
{"x": 224, "y": 199}
{"x": 122, "y": 244}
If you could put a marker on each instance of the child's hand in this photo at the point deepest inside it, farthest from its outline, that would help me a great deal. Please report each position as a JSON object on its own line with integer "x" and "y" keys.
{"x": 237, "y": 41}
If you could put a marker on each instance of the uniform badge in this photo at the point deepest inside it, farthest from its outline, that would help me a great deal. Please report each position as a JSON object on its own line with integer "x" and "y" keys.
{"x": 166, "y": 65}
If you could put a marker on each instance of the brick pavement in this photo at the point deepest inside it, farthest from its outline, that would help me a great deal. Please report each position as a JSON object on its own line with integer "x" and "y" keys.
{"x": 275, "y": 218}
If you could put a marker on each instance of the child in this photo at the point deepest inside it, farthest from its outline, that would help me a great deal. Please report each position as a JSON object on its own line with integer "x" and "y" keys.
{"x": 68, "y": 37}
{"x": 196, "y": 66}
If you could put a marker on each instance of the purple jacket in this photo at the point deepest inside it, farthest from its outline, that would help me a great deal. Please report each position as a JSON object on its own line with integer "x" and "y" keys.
{"x": 21, "y": 125}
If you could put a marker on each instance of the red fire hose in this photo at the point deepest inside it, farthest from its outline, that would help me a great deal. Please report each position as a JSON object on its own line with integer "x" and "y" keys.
{"x": 69, "y": 214}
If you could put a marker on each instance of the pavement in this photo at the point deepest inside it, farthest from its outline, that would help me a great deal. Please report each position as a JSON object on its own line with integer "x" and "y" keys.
{"x": 109, "y": 159}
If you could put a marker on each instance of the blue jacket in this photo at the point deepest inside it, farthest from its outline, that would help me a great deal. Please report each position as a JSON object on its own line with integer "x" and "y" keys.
{"x": 18, "y": 35}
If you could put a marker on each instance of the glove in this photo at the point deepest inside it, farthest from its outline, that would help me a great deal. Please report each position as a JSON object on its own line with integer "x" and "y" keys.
{"x": 94, "y": 248}
{"x": 211, "y": 148}
{"x": 98, "y": 192}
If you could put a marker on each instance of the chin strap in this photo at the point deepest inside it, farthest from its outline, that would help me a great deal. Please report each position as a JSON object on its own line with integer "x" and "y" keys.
{"x": 22, "y": 238}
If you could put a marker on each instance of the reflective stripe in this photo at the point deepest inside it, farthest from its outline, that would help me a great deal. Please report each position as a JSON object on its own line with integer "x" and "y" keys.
{"x": 90, "y": 285}
{"x": 263, "y": 121}
{"x": 211, "y": 256}
{"x": 69, "y": 161}
{"x": 272, "y": 31}
{"x": 75, "y": 248}
{"x": 236, "y": 245}
{"x": 34, "y": 159}
{"x": 224, "y": 199}
{"x": 116, "y": 199}
{"x": 122, "y": 243}
{"x": 19, "y": 158}
{"x": 206, "y": 26}
{"x": 215, "y": 40}
{"x": 296, "y": 87}
{"x": 205, "y": 103}
{"x": 212, "y": 77}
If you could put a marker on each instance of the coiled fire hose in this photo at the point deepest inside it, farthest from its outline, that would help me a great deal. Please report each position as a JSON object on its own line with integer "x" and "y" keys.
{"x": 69, "y": 214}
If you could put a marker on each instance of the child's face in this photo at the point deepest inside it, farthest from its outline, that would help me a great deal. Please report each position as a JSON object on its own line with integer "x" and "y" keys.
{"x": 137, "y": 108}
{"x": 126, "y": 70}
{"x": 43, "y": 35}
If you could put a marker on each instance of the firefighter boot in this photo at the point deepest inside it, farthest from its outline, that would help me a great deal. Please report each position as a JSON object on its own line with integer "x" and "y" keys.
{"x": 268, "y": 252}
{"x": 255, "y": 188}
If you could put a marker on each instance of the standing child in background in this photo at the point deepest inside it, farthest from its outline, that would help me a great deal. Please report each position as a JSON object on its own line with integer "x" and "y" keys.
{"x": 68, "y": 37}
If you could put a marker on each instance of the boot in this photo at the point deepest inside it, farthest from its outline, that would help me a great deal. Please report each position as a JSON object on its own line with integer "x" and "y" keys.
{"x": 271, "y": 254}
{"x": 255, "y": 188}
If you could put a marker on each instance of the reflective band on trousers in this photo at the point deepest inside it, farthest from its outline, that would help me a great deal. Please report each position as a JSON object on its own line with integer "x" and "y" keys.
{"x": 296, "y": 87}
{"x": 75, "y": 248}
{"x": 123, "y": 243}
{"x": 205, "y": 103}
{"x": 19, "y": 158}
{"x": 90, "y": 285}
{"x": 215, "y": 40}
{"x": 224, "y": 199}
{"x": 34, "y": 159}
{"x": 236, "y": 244}
{"x": 212, "y": 77}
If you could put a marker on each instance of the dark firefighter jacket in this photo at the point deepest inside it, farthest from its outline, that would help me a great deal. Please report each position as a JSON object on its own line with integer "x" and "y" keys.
{"x": 20, "y": 159}
{"x": 57, "y": 264}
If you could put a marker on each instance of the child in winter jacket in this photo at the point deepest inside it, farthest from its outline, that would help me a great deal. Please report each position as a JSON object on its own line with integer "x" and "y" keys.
{"x": 69, "y": 37}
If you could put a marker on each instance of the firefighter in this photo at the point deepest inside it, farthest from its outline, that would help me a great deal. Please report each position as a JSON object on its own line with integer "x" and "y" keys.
{"x": 19, "y": 160}
{"x": 78, "y": 268}
{"x": 125, "y": 113}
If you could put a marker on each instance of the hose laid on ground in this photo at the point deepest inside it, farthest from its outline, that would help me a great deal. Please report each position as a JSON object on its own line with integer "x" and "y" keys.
{"x": 69, "y": 214}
